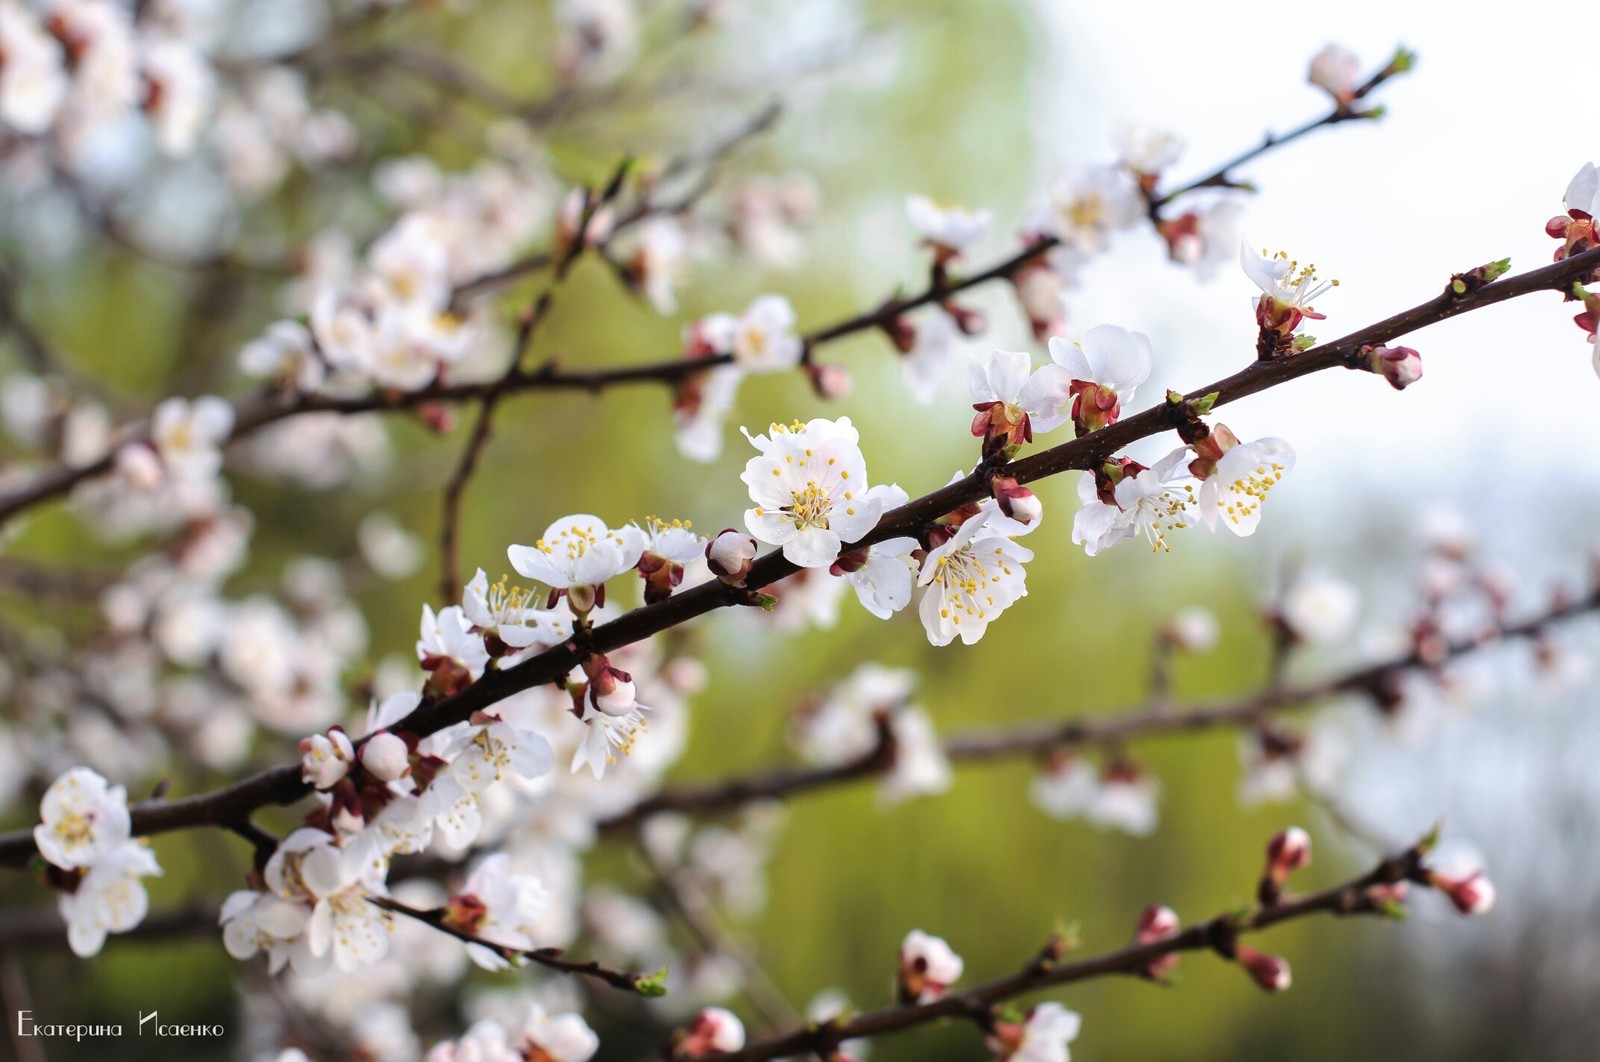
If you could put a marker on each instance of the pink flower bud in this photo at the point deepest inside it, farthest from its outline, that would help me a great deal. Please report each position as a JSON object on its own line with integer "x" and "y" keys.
{"x": 1268, "y": 971}
{"x": 385, "y": 756}
{"x": 612, "y": 691}
{"x": 1288, "y": 851}
{"x": 714, "y": 1031}
{"x": 1472, "y": 894}
{"x": 1016, "y": 501}
{"x": 1401, "y": 366}
{"x": 730, "y": 555}
{"x": 829, "y": 381}
{"x": 1156, "y": 923}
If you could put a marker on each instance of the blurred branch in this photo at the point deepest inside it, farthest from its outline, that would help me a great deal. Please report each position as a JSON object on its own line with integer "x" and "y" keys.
{"x": 1343, "y": 111}
{"x": 255, "y": 413}
{"x": 549, "y": 958}
{"x": 1101, "y": 730}
{"x": 43, "y": 927}
{"x": 981, "y": 1004}
{"x": 283, "y": 785}
{"x": 527, "y": 328}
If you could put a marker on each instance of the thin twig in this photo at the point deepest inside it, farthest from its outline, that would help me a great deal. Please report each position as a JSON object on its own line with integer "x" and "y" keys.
{"x": 549, "y": 958}
{"x": 979, "y": 1004}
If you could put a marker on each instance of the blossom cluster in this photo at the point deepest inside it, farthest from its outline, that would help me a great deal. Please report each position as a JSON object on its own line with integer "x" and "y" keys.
{"x": 85, "y": 835}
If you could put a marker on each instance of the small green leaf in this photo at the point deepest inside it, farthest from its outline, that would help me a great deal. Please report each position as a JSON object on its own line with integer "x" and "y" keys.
{"x": 1496, "y": 270}
{"x": 1204, "y": 404}
{"x": 653, "y": 986}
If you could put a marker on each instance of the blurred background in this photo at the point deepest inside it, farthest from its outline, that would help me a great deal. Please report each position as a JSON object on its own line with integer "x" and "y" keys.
{"x": 984, "y": 104}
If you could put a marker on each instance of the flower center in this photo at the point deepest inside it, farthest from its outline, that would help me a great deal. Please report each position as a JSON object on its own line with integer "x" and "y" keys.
{"x": 74, "y": 829}
{"x": 1248, "y": 492}
{"x": 810, "y": 507}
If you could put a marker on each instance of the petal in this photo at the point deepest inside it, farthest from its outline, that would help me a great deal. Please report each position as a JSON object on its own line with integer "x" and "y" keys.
{"x": 814, "y": 547}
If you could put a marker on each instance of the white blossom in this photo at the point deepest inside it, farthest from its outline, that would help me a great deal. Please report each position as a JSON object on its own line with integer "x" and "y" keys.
{"x": 1037, "y": 398}
{"x": 950, "y": 228}
{"x": 326, "y": 758}
{"x": 1089, "y": 204}
{"x": 1151, "y": 503}
{"x": 970, "y": 579}
{"x": 928, "y": 967}
{"x": 189, "y": 435}
{"x": 578, "y": 551}
{"x": 1238, "y": 487}
{"x": 83, "y": 819}
{"x": 110, "y": 898}
{"x": 809, "y": 483}
{"x": 1321, "y": 609}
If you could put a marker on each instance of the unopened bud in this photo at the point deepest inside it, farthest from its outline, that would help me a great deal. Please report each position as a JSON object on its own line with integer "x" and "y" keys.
{"x": 730, "y": 555}
{"x": 465, "y": 912}
{"x": 1288, "y": 851}
{"x": 902, "y": 332}
{"x": 1472, "y": 894}
{"x": 829, "y": 381}
{"x": 612, "y": 691}
{"x": 1016, "y": 501}
{"x": 1401, "y": 366}
{"x": 1156, "y": 924}
{"x": 714, "y": 1031}
{"x": 1268, "y": 971}
{"x": 385, "y": 756}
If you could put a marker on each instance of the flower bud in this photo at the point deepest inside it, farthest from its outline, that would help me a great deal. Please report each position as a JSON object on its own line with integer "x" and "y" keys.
{"x": 1268, "y": 971}
{"x": 902, "y": 332}
{"x": 1336, "y": 71}
{"x": 345, "y": 813}
{"x": 385, "y": 756}
{"x": 1472, "y": 894}
{"x": 465, "y": 912}
{"x": 714, "y": 1031}
{"x": 829, "y": 381}
{"x": 730, "y": 555}
{"x": 1016, "y": 501}
{"x": 1157, "y": 923}
{"x": 1401, "y": 366}
{"x": 1288, "y": 851}
{"x": 612, "y": 691}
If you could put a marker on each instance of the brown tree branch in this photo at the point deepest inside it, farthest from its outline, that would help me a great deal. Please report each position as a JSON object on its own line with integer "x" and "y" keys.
{"x": 1104, "y": 730}
{"x": 254, "y": 413}
{"x": 1047, "y": 971}
{"x": 282, "y": 785}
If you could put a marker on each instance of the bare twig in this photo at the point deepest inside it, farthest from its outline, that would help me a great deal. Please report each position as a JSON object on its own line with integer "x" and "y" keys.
{"x": 549, "y": 958}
